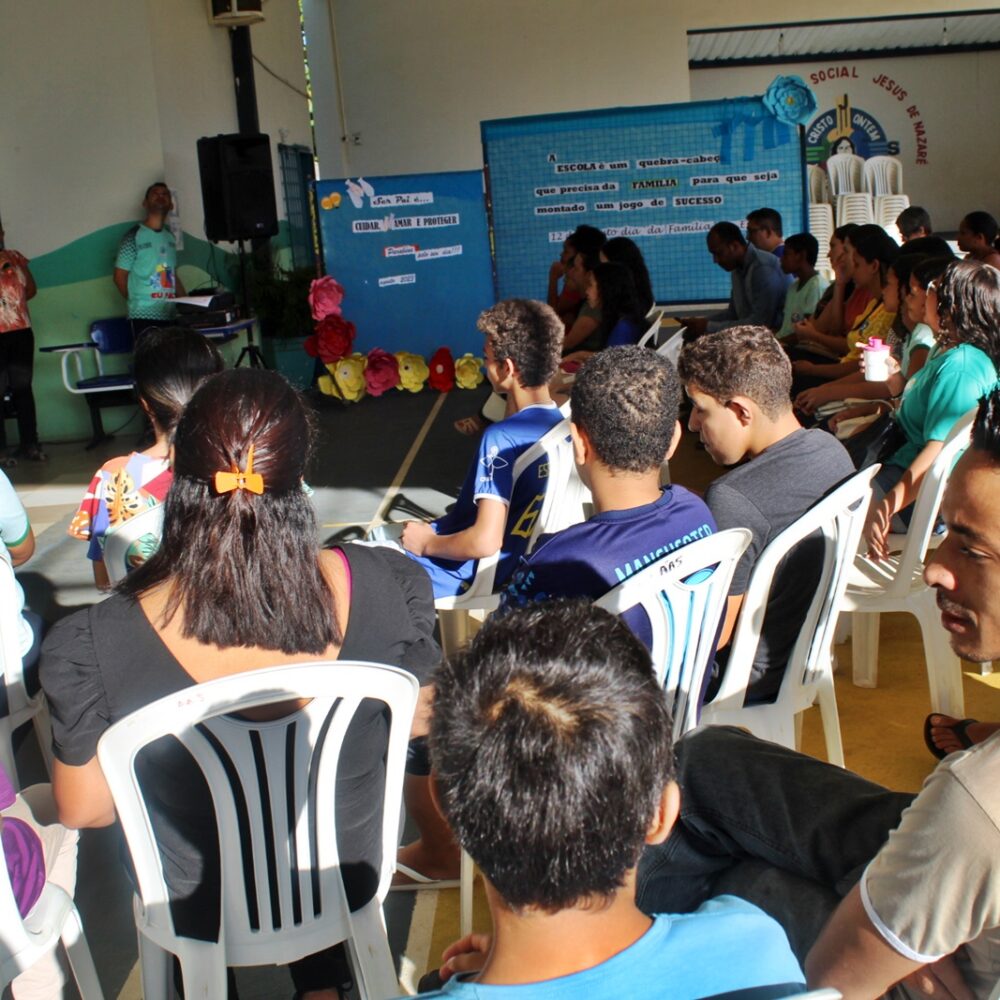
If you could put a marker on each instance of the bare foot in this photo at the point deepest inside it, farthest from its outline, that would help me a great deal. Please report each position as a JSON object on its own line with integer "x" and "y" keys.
{"x": 441, "y": 862}
{"x": 946, "y": 732}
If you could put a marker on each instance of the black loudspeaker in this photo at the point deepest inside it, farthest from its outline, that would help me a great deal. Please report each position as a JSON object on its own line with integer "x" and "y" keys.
{"x": 237, "y": 187}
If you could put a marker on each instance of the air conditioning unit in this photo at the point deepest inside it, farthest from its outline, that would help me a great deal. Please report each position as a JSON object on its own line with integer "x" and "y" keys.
{"x": 233, "y": 13}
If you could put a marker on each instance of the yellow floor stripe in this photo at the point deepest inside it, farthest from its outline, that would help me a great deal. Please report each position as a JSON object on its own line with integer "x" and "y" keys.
{"x": 390, "y": 494}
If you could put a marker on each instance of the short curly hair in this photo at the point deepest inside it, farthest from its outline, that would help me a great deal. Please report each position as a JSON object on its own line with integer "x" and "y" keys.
{"x": 626, "y": 399}
{"x": 740, "y": 361}
{"x": 529, "y": 333}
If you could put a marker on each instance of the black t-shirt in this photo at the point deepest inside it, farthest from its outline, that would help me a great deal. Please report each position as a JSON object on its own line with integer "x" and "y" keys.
{"x": 106, "y": 661}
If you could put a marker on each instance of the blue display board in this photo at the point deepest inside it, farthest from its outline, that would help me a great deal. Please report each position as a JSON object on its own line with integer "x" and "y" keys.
{"x": 661, "y": 175}
{"x": 413, "y": 255}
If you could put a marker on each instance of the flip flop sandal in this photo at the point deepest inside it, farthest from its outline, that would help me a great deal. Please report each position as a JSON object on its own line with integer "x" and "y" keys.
{"x": 960, "y": 729}
{"x": 421, "y": 881}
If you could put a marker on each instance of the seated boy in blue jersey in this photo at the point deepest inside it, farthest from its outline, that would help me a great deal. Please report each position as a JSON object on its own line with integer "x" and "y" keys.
{"x": 624, "y": 425}
{"x": 551, "y": 751}
{"x": 493, "y": 512}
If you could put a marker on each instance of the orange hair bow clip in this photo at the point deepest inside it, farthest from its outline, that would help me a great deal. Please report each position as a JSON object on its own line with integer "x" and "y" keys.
{"x": 226, "y": 482}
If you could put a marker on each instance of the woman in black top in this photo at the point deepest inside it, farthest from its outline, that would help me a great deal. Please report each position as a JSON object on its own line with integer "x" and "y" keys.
{"x": 236, "y": 585}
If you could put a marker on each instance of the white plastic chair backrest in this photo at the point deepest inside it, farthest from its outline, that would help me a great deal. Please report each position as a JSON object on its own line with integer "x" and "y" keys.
{"x": 683, "y": 594}
{"x": 10, "y": 639}
{"x": 655, "y": 312}
{"x": 927, "y": 504}
{"x": 819, "y": 186}
{"x": 844, "y": 172}
{"x": 119, "y": 540}
{"x": 887, "y": 209}
{"x": 650, "y": 334}
{"x": 829, "y": 993}
{"x": 883, "y": 175}
{"x": 671, "y": 347}
{"x": 273, "y": 788}
{"x": 840, "y": 517}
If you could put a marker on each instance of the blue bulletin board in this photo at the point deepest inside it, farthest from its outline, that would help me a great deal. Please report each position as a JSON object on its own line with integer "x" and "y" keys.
{"x": 413, "y": 255}
{"x": 661, "y": 175}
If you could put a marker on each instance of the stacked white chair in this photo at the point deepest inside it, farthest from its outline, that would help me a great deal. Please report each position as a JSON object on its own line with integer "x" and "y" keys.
{"x": 855, "y": 207}
{"x": 819, "y": 185}
{"x": 883, "y": 175}
{"x": 54, "y": 919}
{"x": 20, "y": 707}
{"x": 898, "y": 585}
{"x": 273, "y": 787}
{"x": 839, "y": 518}
{"x": 887, "y": 209}
{"x": 821, "y": 226}
{"x": 845, "y": 173}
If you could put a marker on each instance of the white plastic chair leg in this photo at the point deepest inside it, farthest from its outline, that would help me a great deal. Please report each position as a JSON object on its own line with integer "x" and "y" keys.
{"x": 455, "y": 629}
{"x": 371, "y": 959}
{"x": 7, "y": 752}
{"x": 468, "y": 879}
{"x": 203, "y": 970}
{"x": 827, "y": 698}
{"x": 864, "y": 648}
{"x": 157, "y": 969}
{"x": 81, "y": 962}
{"x": 843, "y": 631}
{"x": 944, "y": 669}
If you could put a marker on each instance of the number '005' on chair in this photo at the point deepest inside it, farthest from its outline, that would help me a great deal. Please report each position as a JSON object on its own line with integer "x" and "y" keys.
{"x": 273, "y": 789}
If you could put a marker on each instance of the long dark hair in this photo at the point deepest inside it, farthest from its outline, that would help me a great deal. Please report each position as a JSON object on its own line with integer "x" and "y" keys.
{"x": 968, "y": 301}
{"x": 621, "y": 250}
{"x": 983, "y": 224}
{"x": 618, "y": 297}
{"x": 243, "y": 568}
{"x": 169, "y": 364}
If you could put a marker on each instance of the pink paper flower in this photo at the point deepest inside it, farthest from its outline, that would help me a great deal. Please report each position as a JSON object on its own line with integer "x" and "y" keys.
{"x": 442, "y": 370}
{"x": 325, "y": 296}
{"x": 382, "y": 372}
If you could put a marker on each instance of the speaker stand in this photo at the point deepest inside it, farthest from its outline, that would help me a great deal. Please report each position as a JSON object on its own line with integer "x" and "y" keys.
{"x": 251, "y": 352}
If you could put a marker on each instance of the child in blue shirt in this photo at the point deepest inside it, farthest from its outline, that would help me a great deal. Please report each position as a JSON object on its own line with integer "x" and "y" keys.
{"x": 493, "y": 511}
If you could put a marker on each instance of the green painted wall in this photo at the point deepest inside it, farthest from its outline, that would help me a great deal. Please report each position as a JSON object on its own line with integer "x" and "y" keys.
{"x": 74, "y": 289}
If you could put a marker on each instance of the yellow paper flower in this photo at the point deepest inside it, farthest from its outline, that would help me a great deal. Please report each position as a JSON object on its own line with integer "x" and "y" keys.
{"x": 468, "y": 371}
{"x": 346, "y": 379}
{"x": 413, "y": 371}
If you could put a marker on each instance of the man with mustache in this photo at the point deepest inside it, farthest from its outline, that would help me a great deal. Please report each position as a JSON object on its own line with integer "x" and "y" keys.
{"x": 873, "y": 887}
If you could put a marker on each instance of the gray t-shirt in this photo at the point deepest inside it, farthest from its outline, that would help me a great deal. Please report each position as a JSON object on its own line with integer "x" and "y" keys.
{"x": 766, "y": 494}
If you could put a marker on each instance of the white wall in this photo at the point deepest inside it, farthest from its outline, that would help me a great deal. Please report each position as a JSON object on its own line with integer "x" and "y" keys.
{"x": 418, "y": 77}
{"x": 949, "y": 98}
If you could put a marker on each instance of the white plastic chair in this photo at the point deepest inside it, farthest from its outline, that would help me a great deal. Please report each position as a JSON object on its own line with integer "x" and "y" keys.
{"x": 898, "y": 585}
{"x": 808, "y": 679}
{"x": 829, "y": 993}
{"x": 887, "y": 209}
{"x": 273, "y": 788}
{"x": 883, "y": 175}
{"x": 845, "y": 172}
{"x": 118, "y": 541}
{"x": 677, "y": 606}
{"x": 20, "y": 707}
{"x": 684, "y": 595}
{"x": 54, "y": 919}
{"x": 819, "y": 185}
{"x": 671, "y": 347}
{"x": 856, "y": 208}
{"x": 649, "y": 337}
{"x": 563, "y": 505}
{"x": 821, "y": 226}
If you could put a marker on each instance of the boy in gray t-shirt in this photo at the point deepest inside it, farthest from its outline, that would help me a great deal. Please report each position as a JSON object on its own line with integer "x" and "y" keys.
{"x": 739, "y": 383}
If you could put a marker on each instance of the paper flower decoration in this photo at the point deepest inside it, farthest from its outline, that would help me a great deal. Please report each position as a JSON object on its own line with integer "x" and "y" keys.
{"x": 346, "y": 379}
{"x": 382, "y": 372}
{"x": 442, "y": 366}
{"x": 468, "y": 371}
{"x": 325, "y": 296}
{"x": 332, "y": 341}
{"x": 413, "y": 371}
{"x": 790, "y": 100}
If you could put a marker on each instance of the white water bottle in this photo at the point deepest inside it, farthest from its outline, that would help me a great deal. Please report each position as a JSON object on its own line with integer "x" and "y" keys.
{"x": 876, "y": 355}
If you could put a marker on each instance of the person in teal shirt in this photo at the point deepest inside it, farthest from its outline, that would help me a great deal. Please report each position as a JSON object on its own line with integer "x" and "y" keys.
{"x": 963, "y": 307}
{"x": 146, "y": 265}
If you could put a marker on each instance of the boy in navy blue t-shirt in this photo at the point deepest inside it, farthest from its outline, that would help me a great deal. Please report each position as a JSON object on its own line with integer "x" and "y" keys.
{"x": 494, "y": 512}
{"x": 624, "y": 426}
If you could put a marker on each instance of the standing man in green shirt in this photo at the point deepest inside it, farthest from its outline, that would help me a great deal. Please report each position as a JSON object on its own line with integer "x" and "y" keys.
{"x": 146, "y": 265}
